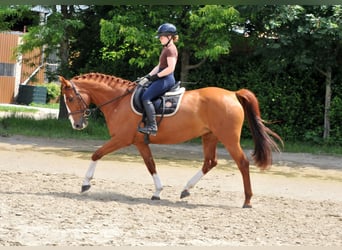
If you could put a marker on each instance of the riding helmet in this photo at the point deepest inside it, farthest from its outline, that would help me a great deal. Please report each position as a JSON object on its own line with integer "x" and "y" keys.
{"x": 166, "y": 29}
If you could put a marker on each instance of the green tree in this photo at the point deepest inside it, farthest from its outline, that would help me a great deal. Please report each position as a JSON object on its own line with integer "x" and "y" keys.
{"x": 54, "y": 36}
{"x": 85, "y": 49}
{"x": 308, "y": 37}
{"x": 12, "y": 15}
{"x": 204, "y": 33}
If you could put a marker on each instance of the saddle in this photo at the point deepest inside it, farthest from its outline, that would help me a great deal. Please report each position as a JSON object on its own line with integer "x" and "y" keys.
{"x": 165, "y": 105}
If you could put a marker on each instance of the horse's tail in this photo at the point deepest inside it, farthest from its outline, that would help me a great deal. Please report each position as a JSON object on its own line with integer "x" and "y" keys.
{"x": 263, "y": 142}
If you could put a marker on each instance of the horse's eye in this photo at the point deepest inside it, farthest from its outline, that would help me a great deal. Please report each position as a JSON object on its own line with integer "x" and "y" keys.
{"x": 70, "y": 99}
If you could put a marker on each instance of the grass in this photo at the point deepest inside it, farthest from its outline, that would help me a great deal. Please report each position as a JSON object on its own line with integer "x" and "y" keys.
{"x": 17, "y": 109}
{"x": 28, "y": 109}
{"x": 51, "y": 128}
{"x": 48, "y": 105}
{"x": 96, "y": 130}
{"x": 320, "y": 148}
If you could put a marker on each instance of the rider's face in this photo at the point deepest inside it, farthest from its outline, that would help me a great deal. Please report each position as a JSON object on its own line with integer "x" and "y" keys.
{"x": 164, "y": 39}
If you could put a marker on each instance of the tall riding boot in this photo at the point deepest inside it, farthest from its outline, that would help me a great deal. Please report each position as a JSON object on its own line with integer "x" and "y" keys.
{"x": 151, "y": 126}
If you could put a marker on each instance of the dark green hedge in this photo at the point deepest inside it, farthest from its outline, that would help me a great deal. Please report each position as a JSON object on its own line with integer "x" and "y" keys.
{"x": 292, "y": 99}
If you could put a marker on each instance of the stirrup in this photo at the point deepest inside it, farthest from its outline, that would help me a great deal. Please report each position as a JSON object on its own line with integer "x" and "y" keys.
{"x": 148, "y": 131}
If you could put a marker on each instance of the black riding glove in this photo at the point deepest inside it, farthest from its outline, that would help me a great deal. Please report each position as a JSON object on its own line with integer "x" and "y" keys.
{"x": 153, "y": 77}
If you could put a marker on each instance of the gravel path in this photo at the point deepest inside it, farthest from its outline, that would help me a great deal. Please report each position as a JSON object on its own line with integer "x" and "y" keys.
{"x": 296, "y": 203}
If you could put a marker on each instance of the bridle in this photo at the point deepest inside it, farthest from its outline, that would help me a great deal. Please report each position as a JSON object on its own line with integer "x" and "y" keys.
{"x": 87, "y": 111}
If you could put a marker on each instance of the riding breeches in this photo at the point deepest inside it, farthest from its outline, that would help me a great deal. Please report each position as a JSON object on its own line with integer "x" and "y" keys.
{"x": 158, "y": 88}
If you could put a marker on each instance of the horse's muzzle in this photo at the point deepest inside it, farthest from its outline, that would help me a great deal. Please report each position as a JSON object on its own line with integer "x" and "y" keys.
{"x": 81, "y": 124}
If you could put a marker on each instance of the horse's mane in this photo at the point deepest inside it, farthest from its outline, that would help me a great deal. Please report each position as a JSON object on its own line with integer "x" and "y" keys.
{"x": 110, "y": 80}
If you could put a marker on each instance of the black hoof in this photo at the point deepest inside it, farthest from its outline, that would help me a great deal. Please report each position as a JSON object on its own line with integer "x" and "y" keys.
{"x": 85, "y": 188}
{"x": 246, "y": 206}
{"x": 185, "y": 193}
{"x": 155, "y": 198}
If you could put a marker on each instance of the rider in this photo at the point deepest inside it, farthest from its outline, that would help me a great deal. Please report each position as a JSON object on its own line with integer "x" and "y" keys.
{"x": 161, "y": 76}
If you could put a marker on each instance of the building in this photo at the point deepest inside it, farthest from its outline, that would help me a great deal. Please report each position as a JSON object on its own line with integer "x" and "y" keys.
{"x": 13, "y": 72}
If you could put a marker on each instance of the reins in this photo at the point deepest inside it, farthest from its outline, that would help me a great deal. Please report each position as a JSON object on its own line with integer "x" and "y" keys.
{"x": 89, "y": 111}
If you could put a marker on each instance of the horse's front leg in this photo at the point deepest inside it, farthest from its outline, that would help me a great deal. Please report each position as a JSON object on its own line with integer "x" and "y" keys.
{"x": 146, "y": 154}
{"x": 108, "y": 147}
{"x": 89, "y": 175}
{"x": 158, "y": 187}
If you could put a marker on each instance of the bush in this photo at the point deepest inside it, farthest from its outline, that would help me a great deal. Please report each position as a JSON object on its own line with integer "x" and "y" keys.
{"x": 53, "y": 92}
{"x": 289, "y": 98}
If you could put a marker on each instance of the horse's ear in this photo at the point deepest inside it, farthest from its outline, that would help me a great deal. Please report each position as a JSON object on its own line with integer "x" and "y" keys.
{"x": 64, "y": 82}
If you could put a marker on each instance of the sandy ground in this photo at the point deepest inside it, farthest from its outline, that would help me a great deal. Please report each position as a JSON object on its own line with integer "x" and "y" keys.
{"x": 296, "y": 203}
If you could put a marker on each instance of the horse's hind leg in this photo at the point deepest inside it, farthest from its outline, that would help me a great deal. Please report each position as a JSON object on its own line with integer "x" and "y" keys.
{"x": 146, "y": 154}
{"x": 209, "y": 142}
{"x": 243, "y": 164}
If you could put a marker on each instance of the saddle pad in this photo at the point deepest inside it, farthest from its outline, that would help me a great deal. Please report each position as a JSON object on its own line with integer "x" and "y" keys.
{"x": 166, "y": 105}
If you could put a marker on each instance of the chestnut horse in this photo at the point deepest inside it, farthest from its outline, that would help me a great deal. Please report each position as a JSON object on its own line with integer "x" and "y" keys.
{"x": 215, "y": 114}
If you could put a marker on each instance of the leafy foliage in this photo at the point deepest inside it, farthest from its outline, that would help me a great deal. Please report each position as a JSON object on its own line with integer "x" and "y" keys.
{"x": 130, "y": 33}
{"x": 211, "y": 25}
{"x": 53, "y": 91}
{"x": 336, "y": 120}
{"x": 307, "y": 38}
{"x": 54, "y": 36}
{"x": 14, "y": 14}
{"x": 285, "y": 60}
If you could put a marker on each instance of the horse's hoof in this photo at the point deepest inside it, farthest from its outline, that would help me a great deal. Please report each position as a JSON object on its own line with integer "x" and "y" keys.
{"x": 155, "y": 198}
{"x": 246, "y": 206}
{"x": 85, "y": 188}
{"x": 185, "y": 193}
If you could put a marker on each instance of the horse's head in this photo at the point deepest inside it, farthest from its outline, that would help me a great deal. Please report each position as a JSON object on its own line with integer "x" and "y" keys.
{"x": 77, "y": 104}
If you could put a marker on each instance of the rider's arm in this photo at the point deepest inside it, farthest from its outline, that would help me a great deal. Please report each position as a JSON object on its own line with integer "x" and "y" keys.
{"x": 171, "y": 65}
{"x": 154, "y": 70}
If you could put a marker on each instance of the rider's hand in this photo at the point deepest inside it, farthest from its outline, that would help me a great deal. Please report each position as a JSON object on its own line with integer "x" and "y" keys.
{"x": 153, "y": 77}
{"x": 143, "y": 80}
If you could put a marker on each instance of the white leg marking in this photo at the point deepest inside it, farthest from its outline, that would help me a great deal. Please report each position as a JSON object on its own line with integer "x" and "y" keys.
{"x": 193, "y": 181}
{"x": 90, "y": 173}
{"x": 157, "y": 184}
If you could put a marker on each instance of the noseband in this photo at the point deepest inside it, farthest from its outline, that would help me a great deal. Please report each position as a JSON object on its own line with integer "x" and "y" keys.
{"x": 87, "y": 111}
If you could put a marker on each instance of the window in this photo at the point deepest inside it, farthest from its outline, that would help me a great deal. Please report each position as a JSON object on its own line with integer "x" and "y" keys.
{"x": 7, "y": 69}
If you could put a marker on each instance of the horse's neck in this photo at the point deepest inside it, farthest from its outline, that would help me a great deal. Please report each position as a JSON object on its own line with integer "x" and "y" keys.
{"x": 100, "y": 92}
